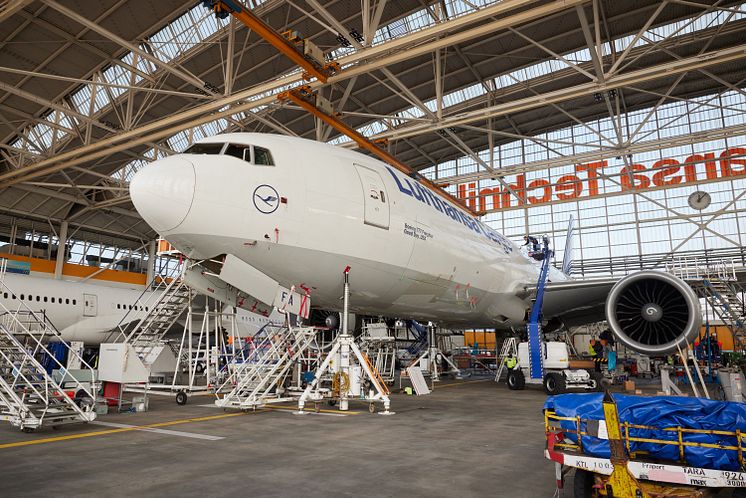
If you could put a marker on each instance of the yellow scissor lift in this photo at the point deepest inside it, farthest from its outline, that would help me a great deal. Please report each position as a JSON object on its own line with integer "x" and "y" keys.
{"x": 629, "y": 474}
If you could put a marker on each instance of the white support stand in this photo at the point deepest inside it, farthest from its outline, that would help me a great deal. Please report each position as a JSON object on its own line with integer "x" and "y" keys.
{"x": 667, "y": 385}
{"x": 343, "y": 345}
{"x": 433, "y": 354}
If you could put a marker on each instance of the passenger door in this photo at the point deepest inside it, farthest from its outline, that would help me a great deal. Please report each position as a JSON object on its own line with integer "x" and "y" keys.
{"x": 375, "y": 196}
{"x": 90, "y": 305}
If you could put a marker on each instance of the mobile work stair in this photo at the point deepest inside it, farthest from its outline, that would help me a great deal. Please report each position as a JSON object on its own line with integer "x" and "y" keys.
{"x": 153, "y": 314}
{"x": 135, "y": 348}
{"x": 258, "y": 375}
{"x": 29, "y": 396}
{"x": 717, "y": 284}
{"x": 509, "y": 347}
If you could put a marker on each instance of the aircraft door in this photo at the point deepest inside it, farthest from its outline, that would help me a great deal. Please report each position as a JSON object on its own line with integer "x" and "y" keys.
{"x": 375, "y": 196}
{"x": 90, "y": 305}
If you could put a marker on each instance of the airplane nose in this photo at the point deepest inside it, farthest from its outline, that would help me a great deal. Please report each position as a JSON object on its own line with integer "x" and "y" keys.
{"x": 162, "y": 192}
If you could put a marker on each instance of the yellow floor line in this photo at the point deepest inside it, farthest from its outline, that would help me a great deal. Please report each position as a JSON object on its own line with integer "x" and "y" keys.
{"x": 125, "y": 429}
{"x": 311, "y": 410}
{"x": 456, "y": 384}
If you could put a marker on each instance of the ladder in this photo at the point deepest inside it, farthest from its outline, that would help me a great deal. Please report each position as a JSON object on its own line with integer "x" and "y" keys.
{"x": 509, "y": 347}
{"x": 259, "y": 379}
{"x": 29, "y": 395}
{"x": 376, "y": 375}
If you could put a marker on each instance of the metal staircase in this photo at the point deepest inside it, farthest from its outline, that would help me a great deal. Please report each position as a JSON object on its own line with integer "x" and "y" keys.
{"x": 723, "y": 298}
{"x": 29, "y": 395}
{"x": 153, "y": 314}
{"x": 258, "y": 374}
{"x": 716, "y": 283}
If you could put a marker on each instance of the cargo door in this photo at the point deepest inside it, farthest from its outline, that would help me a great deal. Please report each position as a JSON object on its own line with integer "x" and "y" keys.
{"x": 90, "y": 305}
{"x": 376, "y": 198}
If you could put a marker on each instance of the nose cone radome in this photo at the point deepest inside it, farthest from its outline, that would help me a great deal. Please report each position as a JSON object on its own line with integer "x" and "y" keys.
{"x": 162, "y": 192}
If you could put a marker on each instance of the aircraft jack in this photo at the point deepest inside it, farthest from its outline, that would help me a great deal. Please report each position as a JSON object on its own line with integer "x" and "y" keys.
{"x": 344, "y": 384}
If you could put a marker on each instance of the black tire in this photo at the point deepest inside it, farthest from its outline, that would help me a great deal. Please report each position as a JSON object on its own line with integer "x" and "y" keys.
{"x": 554, "y": 383}
{"x": 181, "y": 398}
{"x": 199, "y": 368}
{"x": 582, "y": 486}
{"x": 516, "y": 380}
{"x": 600, "y": 381}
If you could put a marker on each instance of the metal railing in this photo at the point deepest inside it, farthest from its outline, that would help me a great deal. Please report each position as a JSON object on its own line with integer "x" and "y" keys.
{"x": 624, "y": 265}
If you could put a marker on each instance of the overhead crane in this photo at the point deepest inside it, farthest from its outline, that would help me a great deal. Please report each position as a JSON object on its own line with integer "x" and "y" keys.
{"x": 301, "y": 51}
{"x": 309, "y": 57}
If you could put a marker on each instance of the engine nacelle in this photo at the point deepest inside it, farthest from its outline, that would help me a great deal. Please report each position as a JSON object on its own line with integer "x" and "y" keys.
{"x": 652, "y": 312}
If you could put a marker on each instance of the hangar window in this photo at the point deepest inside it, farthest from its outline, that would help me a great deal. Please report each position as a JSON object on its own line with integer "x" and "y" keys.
{"x": 239, "y": 151}
{"x": 262, "y": 157}
{"x": 203, "y": 148}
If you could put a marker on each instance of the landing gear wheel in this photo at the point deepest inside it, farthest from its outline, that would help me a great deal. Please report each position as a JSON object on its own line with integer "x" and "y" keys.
{"x": 516, "y": 380}
{"x": 554, "y": 383}
{"x": 372, "y": 408}
{"x": 181, "y": 398}
{"x": 582, "y": 486}
{"x": 332, "y": 402}
{"x": 28, "y": 430}
{"x": 199, "y": 368}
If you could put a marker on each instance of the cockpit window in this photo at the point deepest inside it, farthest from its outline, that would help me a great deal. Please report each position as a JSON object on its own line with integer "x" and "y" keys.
{"x": 205, "y": 148}
{"x": 239, "y": 151}
{"x": 262, "y": 157}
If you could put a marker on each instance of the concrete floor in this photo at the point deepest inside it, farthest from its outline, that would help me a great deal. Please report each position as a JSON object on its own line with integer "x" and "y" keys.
{"x": 468, "y": 438}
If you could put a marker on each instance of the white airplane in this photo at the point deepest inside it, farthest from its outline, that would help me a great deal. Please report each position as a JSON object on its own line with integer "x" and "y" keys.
{"x": 88, "y": 312}
{"x": 285, "y": 212}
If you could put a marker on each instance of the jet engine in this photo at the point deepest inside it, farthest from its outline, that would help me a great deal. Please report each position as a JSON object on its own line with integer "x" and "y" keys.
{"x": 652, "y": 312}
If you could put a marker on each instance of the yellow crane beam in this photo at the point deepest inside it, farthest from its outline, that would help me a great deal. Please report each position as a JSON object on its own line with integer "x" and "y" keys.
{"x": 302, "y": 52}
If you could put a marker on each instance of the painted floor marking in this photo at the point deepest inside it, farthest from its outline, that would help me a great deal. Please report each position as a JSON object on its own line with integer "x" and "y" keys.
{"x": 456, "y": 384}
{"x": 160, "y": 431}
{"x": 335, "y": 413}
{"x": 117, "y": 430}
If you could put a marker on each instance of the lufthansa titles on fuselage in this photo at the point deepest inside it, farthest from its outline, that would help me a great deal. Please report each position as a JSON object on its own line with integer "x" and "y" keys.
{"x": 426, "y": 196}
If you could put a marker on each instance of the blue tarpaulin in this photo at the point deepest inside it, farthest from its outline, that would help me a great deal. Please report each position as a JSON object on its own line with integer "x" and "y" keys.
{"x": 660, "y": 412}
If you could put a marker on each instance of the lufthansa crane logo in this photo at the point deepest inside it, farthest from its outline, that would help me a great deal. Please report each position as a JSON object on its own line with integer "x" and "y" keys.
{"x": 266, "y": 199}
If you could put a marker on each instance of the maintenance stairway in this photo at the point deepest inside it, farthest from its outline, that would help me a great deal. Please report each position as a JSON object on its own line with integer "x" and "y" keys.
{"x": 153, "y": 315}
{"x": 717, "y": 284}
{"x": 258, "y": 372}
{"x": 29, "y": 395}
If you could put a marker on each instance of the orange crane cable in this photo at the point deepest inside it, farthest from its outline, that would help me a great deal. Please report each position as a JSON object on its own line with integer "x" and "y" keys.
{"x": 298, "y": 96}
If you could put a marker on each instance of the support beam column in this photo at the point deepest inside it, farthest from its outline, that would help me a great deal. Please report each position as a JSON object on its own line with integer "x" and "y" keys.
{"x": 61, "y": 252}
{"x": 151, "y": 262}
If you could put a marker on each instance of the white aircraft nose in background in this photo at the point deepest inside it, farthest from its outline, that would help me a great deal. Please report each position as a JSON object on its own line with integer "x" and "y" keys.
{"x": 163, "y": 192}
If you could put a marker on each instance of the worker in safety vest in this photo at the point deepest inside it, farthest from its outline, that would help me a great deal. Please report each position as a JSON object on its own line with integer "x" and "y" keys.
{"x": 591, "y": 348}
{"x": 511, "y": 362}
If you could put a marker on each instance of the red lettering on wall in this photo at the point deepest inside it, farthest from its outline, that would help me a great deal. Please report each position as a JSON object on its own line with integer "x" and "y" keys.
{"x": 632, "y": 181}
{"x": 547, "y": 191}
{"x": 593, "y": 176}
{"x": 659, "y": 179}
{"x": 727, "y": 161}
{"x": 520, "y": 191}
{"x": 569, "y": 182}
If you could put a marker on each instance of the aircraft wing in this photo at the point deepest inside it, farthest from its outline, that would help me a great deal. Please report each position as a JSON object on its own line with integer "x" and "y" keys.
{"x": 577, "y": 302}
